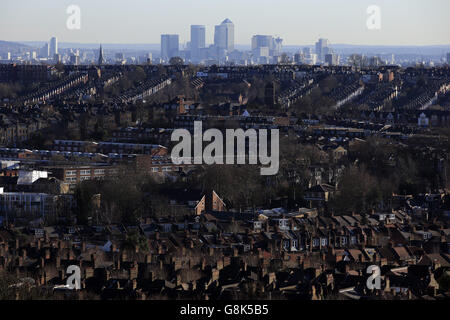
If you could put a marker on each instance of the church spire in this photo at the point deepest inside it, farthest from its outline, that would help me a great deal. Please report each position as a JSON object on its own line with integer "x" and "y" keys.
{"x": 101, "y": 60}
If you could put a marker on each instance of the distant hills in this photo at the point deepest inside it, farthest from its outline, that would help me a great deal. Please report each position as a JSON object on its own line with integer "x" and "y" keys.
{"x": 434, "y": 50}
{"x": 95, "y": 46}
{"x": 13, "y": 47}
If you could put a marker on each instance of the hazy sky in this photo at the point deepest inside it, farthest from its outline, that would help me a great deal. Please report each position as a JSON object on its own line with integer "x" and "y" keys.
{"x": 403, "y": 22}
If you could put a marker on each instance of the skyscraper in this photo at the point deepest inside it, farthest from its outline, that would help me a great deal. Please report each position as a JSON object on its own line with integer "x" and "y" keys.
{"x": 260, "y": 41}
{"x": 224, "y": 36}
{"x": 53, "y": 47}
{"x": 448, "y": 58}
{"x": 263, "y": 43}
{"x": 198, "y": 41}
{"x": 332, "y": 59}
{"x": 170, "y": 46}
{"x": 322, "y": 48}
{"x": 45, "y": 51}
{"x": 277, "y": 46}
{"x": 299, "y": 58}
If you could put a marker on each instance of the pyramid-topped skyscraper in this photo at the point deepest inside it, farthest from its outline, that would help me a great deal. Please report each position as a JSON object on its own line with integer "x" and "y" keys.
{"x": 224, "y": 36}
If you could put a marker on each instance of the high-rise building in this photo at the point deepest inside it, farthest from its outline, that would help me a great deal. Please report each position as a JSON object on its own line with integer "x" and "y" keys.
{"x": 224, "y": 36}
{"x": 310, "y": 59}
{"x": 119, "y": 56}
{"x": 170, "y": 46}
{"x": 299, "y": 58}
{"x": 74, "y": 59}
{"x": 198, "y": 41}
{"x": 448, "y": 58}
{"x": 53, "y": 46}
{"x": 261, "y": 41}
{"x": 57, "y": 58}
{"x": 322, "y": 48}
{"x": 332, "y": 59}
{"x": 269, "y": 44}
{"x": 277, "y": 46}
{"x": 262, "y": 46}
{"x": 149, "y": 57}
{"x": 45, "y": 51}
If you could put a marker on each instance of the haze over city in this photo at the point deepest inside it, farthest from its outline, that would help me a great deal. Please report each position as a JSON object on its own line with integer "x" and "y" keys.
{"x": 412, "y": 22}
{"x": 225, "y": 159}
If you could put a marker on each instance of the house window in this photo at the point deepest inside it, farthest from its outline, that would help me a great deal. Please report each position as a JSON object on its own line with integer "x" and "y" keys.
{"x": 324, "y": 241}
{"x": 71, "y": 173}
{"x": 85, "y": 172}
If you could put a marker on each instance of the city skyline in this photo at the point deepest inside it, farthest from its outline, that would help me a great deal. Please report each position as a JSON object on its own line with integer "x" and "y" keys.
{"x": 403, "y": 23}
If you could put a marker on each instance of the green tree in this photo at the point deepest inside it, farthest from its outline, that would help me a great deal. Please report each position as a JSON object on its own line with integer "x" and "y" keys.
{"x": 176, "y": 61}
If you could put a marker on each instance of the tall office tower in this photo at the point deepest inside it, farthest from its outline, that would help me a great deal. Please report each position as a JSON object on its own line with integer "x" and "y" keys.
{"x": 322, "y": 48}
{"x": 198, "y": 41}
{"x": 57, "y": 58}
{"x": 119, "y": 56}
{"x": 101, "y": 58}
{"x": 269, "y": 44}
{"x": 277, "y": 46}
{"x": 45, "y": 51}
{"x": 53, "y": 46}
{"x": 332, "y": 59}
{"x": 149, "y": 57}
{"x": 170, "y": 46}
{"x": 299, "y": 58}
{"x": 262, "y": 46}
{"x": 224, "y": 36}
{"x": 448, "y": 58}
{"x": 8, "y": 56}
{"x": 261, "y": 41}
